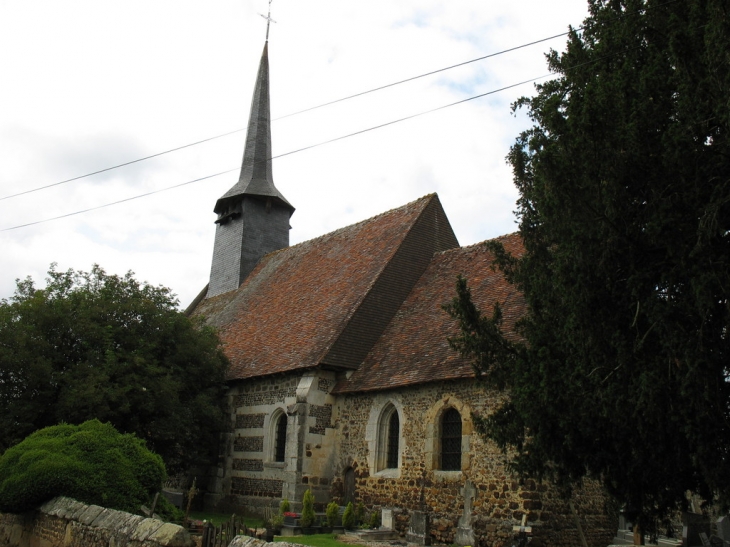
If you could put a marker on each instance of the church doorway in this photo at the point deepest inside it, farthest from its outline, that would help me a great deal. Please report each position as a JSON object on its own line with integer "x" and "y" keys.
{"x": 349, "y": 486}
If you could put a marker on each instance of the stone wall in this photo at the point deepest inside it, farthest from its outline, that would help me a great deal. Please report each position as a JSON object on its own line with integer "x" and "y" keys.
{"x": 330, "y": 437}
{"x": 248, "y": 478}
{"x": 63, "y": 522}
{"x": 418, "y": 484}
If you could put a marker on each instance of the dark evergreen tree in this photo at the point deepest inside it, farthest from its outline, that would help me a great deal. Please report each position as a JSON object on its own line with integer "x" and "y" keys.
{"x": 92, "y": 345}
{"x": 622, "y": 372}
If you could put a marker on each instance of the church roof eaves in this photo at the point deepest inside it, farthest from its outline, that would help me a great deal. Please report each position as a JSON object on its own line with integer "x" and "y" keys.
{"x": 414, "y": 348}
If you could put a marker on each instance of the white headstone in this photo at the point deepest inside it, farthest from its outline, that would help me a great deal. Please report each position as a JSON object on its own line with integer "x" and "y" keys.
{"x": 386, "y": 519}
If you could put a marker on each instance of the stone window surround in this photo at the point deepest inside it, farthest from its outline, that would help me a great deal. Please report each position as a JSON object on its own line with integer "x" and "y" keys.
{"x": 433, "y": 437}
{"x": 376, "y": 435}
{"x": 270, "y": 423}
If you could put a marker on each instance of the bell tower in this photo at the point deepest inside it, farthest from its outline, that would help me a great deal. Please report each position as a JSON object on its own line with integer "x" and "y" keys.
{"x": 253, "y": 216}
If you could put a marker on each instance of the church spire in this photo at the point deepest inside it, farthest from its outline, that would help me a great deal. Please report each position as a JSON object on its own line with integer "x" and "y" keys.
{"x": 253, "y": 216}
{"x": 256, "y": 171}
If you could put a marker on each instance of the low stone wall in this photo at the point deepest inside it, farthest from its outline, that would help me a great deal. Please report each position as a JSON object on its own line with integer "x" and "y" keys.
{"x": 63, "y": 522}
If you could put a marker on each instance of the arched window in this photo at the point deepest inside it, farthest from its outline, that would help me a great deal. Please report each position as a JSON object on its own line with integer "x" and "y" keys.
{"x": 451, "y": 440}
{"x": 388, "y": 439}
{"x": 280, "y": 438}
{"x": 393, "y": 438}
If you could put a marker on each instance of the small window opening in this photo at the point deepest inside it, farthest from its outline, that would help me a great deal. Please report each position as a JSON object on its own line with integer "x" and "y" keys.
{"x": 280, "y": 441}
{"x": 451, "y": 440}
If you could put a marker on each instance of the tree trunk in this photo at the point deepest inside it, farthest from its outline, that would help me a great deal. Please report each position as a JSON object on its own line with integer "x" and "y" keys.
{"x": 638, "y": 532}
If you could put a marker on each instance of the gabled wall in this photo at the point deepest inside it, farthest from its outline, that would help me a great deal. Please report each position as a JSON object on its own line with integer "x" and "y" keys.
{"x": 430, "y": 234}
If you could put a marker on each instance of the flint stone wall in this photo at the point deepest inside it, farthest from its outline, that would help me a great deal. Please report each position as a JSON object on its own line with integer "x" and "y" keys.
{"x": 419, "y": 485}
{"x": 63, "y": 522}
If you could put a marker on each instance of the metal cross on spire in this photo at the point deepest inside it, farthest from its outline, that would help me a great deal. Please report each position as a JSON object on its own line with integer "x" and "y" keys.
{"x": 269, "y": 20}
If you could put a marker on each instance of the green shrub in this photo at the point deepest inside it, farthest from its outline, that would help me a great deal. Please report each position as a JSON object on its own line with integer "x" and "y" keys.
{"x": 348, "y": 517}
{"x": 307, "y": 518}
{"x": 332, "y": 512}
{"x": 284, "y": 506}
{"x": 276, "y": 522}
{"x": 92, "y": 463}
{"x": 360, "y": 514}
{"x": 167, "y": 511}
{"x": 374, "y": 520}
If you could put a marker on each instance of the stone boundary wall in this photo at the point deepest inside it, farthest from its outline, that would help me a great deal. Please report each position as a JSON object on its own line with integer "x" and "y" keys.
{"x": 246, "y": 541}
{"x": 63, "y": 522}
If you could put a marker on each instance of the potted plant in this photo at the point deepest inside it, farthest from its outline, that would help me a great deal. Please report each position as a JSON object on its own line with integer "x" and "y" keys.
{"x": 307, "y": 518}
{"x": 291, "y": 518}
{"x": 332, "y": 513}
{"x": 348, "y": 517}
{"x": 274, "y": 527}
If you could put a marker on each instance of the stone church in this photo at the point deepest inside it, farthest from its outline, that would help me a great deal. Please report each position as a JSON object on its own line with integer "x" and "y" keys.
{"x": 342, "y": 380}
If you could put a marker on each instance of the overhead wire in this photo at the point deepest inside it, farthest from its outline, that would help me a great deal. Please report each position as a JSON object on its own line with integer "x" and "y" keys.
{"x": 341, "y": 137}
{"x": 360, "y": 94}
{"x": 373, "y": 90}
{"x": 380, "y": 126}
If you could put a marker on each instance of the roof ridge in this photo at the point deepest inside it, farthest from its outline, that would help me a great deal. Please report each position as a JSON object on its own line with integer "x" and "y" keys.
{"x": 333, "y": 233}
{"x": 476, "y": 246}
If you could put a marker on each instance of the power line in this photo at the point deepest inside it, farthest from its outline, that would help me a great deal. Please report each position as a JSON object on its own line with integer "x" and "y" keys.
{"x": 373, "y": 128}
{"x": 373, "y": 90}
{"x": 117, "y": 202}
{"x": 392, "y": 122}
{"x": 342, "y": 137}
{"x": 120, "y": 165}
{"x": 424, "y": 75}
{"x": 320, "y": 106}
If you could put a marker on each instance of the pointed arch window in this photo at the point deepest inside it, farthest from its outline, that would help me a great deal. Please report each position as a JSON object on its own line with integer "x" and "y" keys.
{"x": 280, "y": 438}
{"x": 393, "y": 438}
{"x": 451, "y": 440}
{"x": 388, "y": 451}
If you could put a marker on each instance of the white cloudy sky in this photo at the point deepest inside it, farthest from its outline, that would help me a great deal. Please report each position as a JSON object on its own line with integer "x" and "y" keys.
{"x": 87, "y": 84}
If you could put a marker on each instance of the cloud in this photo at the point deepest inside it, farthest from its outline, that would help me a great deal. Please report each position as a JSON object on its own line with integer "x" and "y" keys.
{"x": 101, "y": 83}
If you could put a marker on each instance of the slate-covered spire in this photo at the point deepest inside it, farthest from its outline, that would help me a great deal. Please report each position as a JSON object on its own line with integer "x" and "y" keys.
{"x": 256, "y": 177}
{"x": 253, "y": 216}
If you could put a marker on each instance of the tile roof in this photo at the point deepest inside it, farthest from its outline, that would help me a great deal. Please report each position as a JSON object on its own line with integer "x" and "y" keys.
{"x": 414, "y": 347}
{"x": 296, "y": 302}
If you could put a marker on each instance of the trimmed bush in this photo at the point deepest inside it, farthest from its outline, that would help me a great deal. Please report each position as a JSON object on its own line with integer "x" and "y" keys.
{"x": 332, "y": 512}
{"x": 284, "y": 506}
{"x": 307, "y": 518}
{"x": 360, "y": 514}
{"x": 92, "y": 463}
{"x": 348, "y": 517}
{"x": 374, "y": 520}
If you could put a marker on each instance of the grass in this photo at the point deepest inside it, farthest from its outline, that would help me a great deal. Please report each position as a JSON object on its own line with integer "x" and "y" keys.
{"x": 219, "y": 518}
{"x": 316, "y": 540}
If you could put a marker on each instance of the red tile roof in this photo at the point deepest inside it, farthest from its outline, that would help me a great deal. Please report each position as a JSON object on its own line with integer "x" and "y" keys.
{"x": 297, "y": 301}
{"x": 414, "y": 347}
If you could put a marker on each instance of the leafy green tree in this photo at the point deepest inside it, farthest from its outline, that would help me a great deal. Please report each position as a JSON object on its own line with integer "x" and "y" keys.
{"x": 91, "y": 462}
{"x": 622, "y": 371}
{"x": 93, "y": 345}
